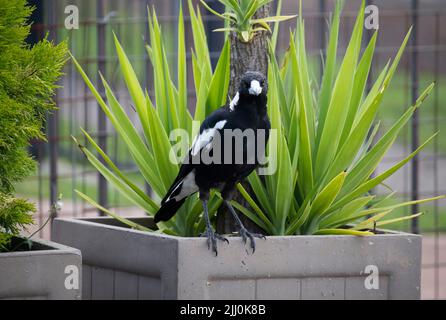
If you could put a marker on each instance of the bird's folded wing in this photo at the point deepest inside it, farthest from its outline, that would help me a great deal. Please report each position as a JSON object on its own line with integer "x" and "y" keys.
{"x": 204, "y": 139}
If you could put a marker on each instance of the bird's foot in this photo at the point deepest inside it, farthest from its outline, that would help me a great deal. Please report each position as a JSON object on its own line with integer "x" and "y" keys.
{"x": 245, "y": 234}
{"x": 212, "y": 238}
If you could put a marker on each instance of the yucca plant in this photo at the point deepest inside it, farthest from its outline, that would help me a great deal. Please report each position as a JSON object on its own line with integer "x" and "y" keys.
{"x": 325, "y": 149}
{"x": 239, "y": 17}
{"x": 159, "y": 117}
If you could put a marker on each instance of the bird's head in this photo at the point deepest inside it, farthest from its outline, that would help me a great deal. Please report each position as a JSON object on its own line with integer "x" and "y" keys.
{"x": 253, "y": 84}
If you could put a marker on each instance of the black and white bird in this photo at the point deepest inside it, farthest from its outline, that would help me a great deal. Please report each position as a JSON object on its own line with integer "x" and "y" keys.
{"x": 246, "y": 112}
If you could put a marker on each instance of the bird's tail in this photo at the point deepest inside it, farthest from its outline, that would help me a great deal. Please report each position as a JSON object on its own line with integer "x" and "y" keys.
{"x": 168, "y": 209}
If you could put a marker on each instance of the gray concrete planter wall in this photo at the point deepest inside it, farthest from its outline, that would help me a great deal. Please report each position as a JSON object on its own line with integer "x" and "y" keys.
{"x": 49, "y": 272}
{"x": 120, "y": 263}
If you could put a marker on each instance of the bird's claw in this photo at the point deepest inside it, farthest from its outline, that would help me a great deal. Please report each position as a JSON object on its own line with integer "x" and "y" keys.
{"x": 212, "y": 238}
{"x": 245, "y": 234}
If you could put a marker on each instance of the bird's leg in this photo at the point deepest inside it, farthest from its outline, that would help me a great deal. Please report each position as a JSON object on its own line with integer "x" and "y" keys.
{"x": 211, "y": 236}
{"x": 243, "y": 232}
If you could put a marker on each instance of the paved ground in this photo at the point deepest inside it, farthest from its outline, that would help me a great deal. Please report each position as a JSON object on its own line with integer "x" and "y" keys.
{"x": 433, "y": 271}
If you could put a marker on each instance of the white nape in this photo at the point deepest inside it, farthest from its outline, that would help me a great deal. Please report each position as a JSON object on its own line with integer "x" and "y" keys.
{"x": 234, "y": 101}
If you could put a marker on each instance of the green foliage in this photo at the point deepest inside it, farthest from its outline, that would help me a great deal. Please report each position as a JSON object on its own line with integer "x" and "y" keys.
{"x": 14, "y": 215}
{"x": 325, "y": 155}
{"x": 324, "y": 151}
{"x": 151, "y": 149}
{"x": 239, "y": 14}
{"x": 27, "y": 82}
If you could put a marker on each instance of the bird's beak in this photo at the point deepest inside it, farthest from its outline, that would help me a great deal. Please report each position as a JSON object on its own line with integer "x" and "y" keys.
{"x": 255, "y": 88}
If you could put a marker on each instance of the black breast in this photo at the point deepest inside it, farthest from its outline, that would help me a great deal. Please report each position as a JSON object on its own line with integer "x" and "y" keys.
{"x": 240, "y": 147}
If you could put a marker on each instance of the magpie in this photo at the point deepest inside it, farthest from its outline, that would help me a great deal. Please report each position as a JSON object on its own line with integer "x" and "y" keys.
{"x": 231, "y": 162}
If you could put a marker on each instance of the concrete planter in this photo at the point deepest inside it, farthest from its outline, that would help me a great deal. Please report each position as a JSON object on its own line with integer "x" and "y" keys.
{"x": 48, "y": 271}
{"x": 120, "y": 263}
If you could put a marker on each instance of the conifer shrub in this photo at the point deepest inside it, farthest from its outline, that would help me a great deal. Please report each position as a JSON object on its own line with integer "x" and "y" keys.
{"x": 28, "y": 76}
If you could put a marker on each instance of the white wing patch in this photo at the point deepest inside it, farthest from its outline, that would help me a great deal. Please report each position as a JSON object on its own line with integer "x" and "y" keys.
{"x": 187, "y": 185}
{"x": 206, "y": 137}
{"x": 234, "y": 102}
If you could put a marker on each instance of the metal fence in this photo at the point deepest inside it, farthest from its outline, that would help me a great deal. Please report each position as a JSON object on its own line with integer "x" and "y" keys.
{"x": 63, "y": 169}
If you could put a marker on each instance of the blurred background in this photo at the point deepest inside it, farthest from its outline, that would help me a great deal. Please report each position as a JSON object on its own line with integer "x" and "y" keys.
{"x": 62, "y": 167}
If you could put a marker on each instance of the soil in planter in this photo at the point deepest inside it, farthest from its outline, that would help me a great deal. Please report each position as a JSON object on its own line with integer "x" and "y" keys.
{"x": 375, "y": 231}
{"x": 21, "y": 244}
{"x": 143, "y": 221}
{"x": 148, "y": 223}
